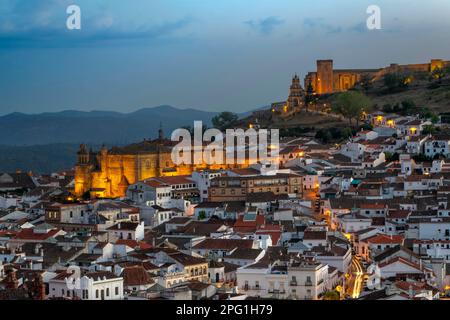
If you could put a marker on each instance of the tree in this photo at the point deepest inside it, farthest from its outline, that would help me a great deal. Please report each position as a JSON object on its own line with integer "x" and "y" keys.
{"x": 331, "y": 295}
{"x": 434, "y": 118}
{"x": 224, "y": 120}
{"x": 366, "y": 82}
{"x": 429, "y": 129}
{"x": 396, "y": 81}
{"x": 309, "y": 97}
{"x": 202, "y": 215}
{"x": 352, "y": 105}
{"x": 387, "y": 108}
{"x": 437, "y": 75}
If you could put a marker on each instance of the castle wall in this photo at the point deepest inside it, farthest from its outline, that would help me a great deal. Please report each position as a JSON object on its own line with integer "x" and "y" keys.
{"x": 328, "y": 80}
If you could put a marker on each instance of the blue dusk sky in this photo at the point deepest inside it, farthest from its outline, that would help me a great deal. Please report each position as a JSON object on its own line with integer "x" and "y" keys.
{"x": 214, "y": 55}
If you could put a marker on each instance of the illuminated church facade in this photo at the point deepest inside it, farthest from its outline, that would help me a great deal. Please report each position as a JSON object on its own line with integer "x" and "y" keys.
{"x": 109, "y": 173}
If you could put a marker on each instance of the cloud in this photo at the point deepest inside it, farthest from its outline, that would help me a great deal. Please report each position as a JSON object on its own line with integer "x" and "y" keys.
{"x": 43, "y": 24}
{"x": 265, "y": 26}
{"x": 321, "y": 25}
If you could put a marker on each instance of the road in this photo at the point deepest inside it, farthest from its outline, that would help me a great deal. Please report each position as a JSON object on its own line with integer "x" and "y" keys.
{"x": 357, "y": 278}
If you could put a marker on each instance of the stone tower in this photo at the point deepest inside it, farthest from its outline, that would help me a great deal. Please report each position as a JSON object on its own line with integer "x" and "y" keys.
{"x": 324, "y": 76}
{"x": 296, "y": 98}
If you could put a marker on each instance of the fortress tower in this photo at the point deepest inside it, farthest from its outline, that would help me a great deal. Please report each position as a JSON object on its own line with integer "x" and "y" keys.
{"x": 324, "y": 76}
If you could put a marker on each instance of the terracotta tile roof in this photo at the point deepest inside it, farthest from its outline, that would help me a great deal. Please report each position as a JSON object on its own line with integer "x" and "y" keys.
{"x": 251, "y": 226}
{"x": 29, "y": 234}
{"x": 155, "y": 184}
{"x": 134, "y": 244}
{"x": 136, "y": 276}
{"x": 373, "y": 206}
{"x": 186, "y": 259}
{"x": 385, "y": 239}
{"x": 273, "y": 230}
{"x": 398, "y": 214}
{"x": 175, "y": 180}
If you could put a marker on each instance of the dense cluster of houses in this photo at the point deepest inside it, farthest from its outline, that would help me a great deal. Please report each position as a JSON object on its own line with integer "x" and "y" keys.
{"x": 349, "y": 220}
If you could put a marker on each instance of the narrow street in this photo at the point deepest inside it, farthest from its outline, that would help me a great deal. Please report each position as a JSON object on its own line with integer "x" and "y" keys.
{"x": 355, "y": 283}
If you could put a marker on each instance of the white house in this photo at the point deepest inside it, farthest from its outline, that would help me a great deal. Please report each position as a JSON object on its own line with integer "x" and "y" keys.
{"x": 127, "y": 231}
{"x": 102, "y": 285}
{"x": 437, "y": 145}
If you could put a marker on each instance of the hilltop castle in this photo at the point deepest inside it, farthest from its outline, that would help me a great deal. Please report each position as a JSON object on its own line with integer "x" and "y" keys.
{"x": 329, "y": 80}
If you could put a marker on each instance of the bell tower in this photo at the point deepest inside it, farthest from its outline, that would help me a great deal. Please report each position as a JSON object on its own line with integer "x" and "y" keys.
{"x": 296, "y": 98}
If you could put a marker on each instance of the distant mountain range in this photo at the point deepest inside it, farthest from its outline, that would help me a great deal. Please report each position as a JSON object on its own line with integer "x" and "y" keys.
{"x": 95, "y": 127}
{"x": 48, "y": 142}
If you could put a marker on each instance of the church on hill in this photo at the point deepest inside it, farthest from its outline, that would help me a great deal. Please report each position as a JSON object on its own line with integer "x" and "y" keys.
{"x": 109, "y": 173}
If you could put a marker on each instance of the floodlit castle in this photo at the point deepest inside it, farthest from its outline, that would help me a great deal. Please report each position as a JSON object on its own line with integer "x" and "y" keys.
{"x": 329, "y": 80}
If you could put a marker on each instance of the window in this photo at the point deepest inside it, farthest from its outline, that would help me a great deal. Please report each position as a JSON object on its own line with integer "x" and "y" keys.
{"x": 107, "y": 292}
{"x": 117, "y": 291}
{"x": 96, "y": 293}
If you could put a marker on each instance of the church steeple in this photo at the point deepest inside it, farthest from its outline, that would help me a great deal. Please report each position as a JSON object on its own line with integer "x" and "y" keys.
{"x": 296, "y": 94}
{"x": 160, "y": 132}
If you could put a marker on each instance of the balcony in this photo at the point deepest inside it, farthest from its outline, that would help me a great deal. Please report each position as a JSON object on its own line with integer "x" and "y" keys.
{"x": 293, "y": 283}
{"x": 308, "y": 283}
{"x": 276, "y": 292}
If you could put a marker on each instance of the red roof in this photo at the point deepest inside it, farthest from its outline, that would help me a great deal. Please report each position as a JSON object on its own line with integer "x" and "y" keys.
{"x": 29, "y": 234}
{"x": 7, "y": 233}
{"x": 134, "y": 244}
{"x": 385, "y": 239}
{"x": 248, "y": 226}
{"x": 398, "y": 214}
{"x": 155, "y": 184}
{"x": 175, "y": 180}
{"x": 273, "y": 230}
{"x": 373, "y": 206}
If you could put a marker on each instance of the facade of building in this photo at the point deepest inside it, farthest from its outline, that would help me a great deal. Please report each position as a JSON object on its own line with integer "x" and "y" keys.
{"x": 237, "y": 188}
